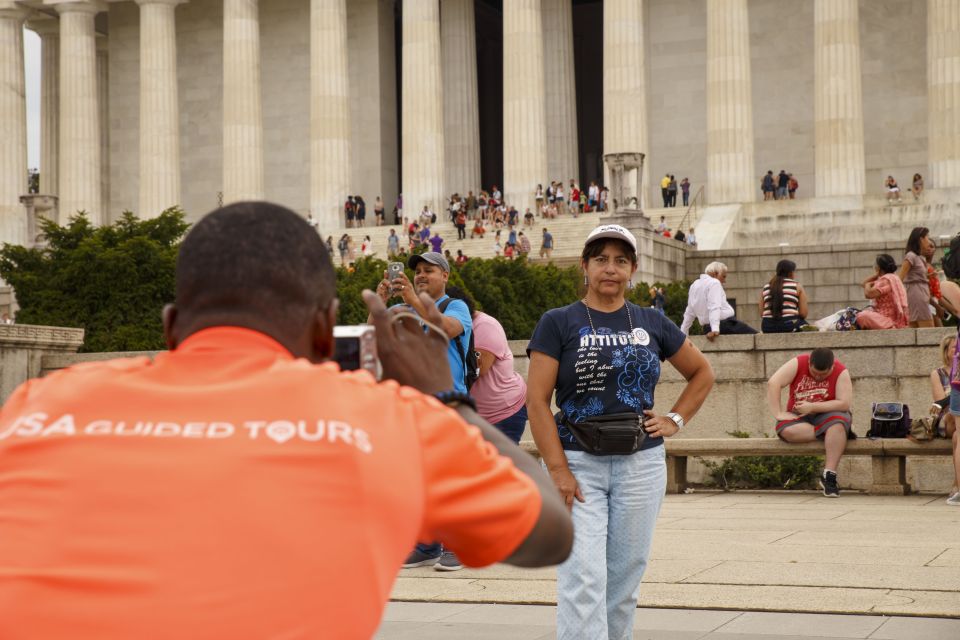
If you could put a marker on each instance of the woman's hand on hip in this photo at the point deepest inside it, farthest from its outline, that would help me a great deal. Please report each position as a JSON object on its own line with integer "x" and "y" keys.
{"x": 567, "y": 485}
{"x": 659, "y": 426}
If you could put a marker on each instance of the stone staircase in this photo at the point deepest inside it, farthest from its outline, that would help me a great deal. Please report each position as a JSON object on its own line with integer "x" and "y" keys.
{"x": 568, "y": 236}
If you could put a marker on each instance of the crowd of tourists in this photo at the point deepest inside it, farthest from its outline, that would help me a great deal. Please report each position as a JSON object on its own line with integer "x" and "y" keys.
{"x": 782, "y": 186}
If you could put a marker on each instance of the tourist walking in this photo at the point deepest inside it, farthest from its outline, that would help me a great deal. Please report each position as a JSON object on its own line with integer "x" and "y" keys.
{"x": 614, "y": 485}
{"x": 685, "y": 190}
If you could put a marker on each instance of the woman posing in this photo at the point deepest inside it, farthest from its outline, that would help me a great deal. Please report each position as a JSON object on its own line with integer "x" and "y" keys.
{"x": 783, "y": 301}
{"x": 604, "y": 451}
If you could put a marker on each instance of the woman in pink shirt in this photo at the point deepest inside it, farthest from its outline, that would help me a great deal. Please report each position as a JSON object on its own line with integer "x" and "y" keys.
{"x": 500, "y": 392}
{"x": 890, "y": 309}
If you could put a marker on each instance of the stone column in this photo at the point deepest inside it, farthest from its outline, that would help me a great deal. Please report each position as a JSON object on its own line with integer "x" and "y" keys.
{"x": 159, "y": 108}
{"x": 329, "y": 112}
{"x": 103, "y": 110}
{"x": 624, "y": 84}
{"x": 943, "y": 93}
{"x": 839, "y": 166}
{"x": 13, "y": 125}
{"x": 563, "y": 161}
{"x": 461, "y": 107}
{"x": 524, "y": 103}
{"x": 730, "y": 174}
{"x": 422, "y": 145}
{"x": 48, "y": 28}
{"x": 80, "y": 157}
{"x": 242, "y": 114}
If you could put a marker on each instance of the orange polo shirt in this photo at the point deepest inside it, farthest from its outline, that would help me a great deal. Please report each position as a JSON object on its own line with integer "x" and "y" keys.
{"x": 227, "y": 490}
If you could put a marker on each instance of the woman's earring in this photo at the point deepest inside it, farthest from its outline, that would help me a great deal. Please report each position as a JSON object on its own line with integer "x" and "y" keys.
{"x": 630, "y": 283}
{"x": 585, "y": 283}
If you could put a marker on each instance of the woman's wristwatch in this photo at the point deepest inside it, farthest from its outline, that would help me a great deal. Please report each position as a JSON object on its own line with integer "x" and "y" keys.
{"x": 454, "y": 397}
{"x": 677, "y": 419}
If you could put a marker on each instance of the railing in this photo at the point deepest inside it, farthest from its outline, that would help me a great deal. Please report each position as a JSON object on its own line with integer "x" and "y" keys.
{"x": 696, "y": 203}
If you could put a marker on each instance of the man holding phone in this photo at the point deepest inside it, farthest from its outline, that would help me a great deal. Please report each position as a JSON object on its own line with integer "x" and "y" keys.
{"x": 431, "y": 272}
{"x": 241, "y": 486}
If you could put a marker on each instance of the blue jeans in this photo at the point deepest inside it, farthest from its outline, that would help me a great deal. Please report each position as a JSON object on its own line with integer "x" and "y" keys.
{"x": 513, "y": 426}
{"x": 598, "y": 585}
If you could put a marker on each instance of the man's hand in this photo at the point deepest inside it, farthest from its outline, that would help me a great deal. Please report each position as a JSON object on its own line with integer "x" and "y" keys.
{"x": 712, "y": 335}
{"x": 802, "y": 407}
{"x": 408, "y": 354}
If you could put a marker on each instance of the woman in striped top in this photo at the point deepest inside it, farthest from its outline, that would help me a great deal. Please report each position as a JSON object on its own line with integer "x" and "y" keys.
{"x": 783, "y": 302}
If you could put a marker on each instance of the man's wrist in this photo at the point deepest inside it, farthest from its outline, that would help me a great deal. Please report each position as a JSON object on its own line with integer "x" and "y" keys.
{"x": 454, "y": 398}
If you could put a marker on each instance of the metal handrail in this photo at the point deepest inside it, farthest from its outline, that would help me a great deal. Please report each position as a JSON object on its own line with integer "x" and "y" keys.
{"x": 693, "y": 206}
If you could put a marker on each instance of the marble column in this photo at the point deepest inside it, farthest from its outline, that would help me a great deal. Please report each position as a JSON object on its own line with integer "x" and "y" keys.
{"x": 48, "y": 28}
{"x": 461, "y": 107}
{"x": 839, "y": 165}
{"x": 624, "y": 85}
{"x": 943, "y": 93}
{"x": 80, "y": 153}
{"x": 524, "y": 103}
{"x": 563, "y": 162}
{"x": 242, "y": 111}
{"x": 159, "y": 108}
{"x": 730, "y": 174}
{"x": 422, "y": 142}
{"x": 13, "y": 125}
{"x": 329, "y": 113}
{"x": 103, "y": 110}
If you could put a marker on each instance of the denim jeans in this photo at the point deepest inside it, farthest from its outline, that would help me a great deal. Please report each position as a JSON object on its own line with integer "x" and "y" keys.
{"x": 513, "y": 426}
{"x": 598, "y": 585}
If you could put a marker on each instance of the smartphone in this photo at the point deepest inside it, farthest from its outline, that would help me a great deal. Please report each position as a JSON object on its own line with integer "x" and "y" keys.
{"x": 355, "y": 347}
{"x": 394, "y": 270}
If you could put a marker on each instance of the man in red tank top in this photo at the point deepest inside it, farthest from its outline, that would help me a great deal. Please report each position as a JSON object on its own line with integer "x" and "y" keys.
{"x": 818, "y": 407}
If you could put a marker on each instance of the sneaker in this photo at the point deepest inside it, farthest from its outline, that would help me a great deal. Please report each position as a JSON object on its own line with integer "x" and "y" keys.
{"x": 419, "y": 559}
{"x": 448, "y": 562}
{"x": 954, "y": 499}
{"x": 828, "y": 482}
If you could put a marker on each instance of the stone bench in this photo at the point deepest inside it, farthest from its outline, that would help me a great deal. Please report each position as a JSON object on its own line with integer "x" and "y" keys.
{"x": 888, "y": 456}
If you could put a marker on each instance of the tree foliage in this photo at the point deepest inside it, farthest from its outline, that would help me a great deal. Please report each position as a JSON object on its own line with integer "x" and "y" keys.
{"x": 112, "y": 281}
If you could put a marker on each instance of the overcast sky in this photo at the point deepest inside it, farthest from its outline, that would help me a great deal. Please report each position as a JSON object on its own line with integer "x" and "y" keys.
{"x": 31, "y": 62}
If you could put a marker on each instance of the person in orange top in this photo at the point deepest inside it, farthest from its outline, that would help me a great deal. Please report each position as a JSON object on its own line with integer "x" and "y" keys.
{"x": 238, "y": 486}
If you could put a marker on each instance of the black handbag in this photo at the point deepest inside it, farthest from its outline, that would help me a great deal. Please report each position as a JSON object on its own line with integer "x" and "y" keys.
{"x": 609, "y": 435}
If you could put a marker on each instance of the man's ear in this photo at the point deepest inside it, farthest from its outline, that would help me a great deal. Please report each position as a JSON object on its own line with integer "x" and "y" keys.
{"x": 324, "y": 322}
{"x": 169, "y": 330}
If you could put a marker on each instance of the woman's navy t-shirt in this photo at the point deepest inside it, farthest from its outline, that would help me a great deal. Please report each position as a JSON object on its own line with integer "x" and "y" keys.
{"x": 613, "y": 371}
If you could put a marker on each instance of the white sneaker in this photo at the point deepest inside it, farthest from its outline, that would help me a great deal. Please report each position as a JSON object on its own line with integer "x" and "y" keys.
{"x": 954, "y": 499}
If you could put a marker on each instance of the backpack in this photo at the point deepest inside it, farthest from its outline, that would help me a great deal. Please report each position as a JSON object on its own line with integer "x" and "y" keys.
{"x": 951, "y": 259}
{"x": 889, "y": 420}
{"x": 470, "y": 360}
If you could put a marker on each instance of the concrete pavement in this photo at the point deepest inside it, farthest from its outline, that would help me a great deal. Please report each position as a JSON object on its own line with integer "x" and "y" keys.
{"x": 426, "y": 621}
{"x": 764, "y": 551}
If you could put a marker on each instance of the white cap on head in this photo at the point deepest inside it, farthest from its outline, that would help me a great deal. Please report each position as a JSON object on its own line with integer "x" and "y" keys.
{"x": 614, "y": 231}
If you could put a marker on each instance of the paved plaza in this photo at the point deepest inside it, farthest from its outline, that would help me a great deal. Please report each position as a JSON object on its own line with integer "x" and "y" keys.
{"x": 885, "y": 558}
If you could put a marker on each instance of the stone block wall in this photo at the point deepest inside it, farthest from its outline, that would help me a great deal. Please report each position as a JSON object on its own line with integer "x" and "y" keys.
{"x": 23, "y": 347}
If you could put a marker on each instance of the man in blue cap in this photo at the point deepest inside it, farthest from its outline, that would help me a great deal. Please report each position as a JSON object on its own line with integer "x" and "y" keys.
{"x": 431, "y": 272}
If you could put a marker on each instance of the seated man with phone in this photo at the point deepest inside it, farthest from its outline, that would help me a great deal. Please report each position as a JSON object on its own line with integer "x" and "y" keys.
{"x": 241, "y": 486}
{"x": 431, "y": 272}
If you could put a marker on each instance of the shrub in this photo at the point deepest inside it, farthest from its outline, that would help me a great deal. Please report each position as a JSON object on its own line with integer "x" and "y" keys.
{"x": 764, "y": 472}
{"x": 112, "y": 281}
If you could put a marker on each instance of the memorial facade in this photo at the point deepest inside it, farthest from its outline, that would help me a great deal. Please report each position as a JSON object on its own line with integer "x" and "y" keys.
{"x": 152, "y": 103}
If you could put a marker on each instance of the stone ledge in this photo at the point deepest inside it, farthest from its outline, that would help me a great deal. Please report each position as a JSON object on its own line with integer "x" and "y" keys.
{"x": 40, "y": 337}
{"x": 55, "y": 361}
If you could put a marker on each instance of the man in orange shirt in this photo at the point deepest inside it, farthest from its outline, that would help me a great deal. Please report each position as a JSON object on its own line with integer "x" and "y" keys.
{"x": 240, "y": 487}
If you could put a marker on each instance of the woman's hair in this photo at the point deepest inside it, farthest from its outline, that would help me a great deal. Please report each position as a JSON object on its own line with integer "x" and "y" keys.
{"x": 913, "y": 242}
{"x": 457, "y": 293}
{"x": 784, "y": 269}
{"x": 595, "y": 248}
{"x": 886, "y": 263}
{"x": 945, "y": 347}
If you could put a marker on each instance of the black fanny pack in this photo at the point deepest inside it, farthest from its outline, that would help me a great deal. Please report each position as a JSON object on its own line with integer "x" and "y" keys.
{"x": 609, "y": 435}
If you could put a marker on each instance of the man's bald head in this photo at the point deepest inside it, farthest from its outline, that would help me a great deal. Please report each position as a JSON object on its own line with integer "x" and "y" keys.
{"x": 255, "y": 265}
